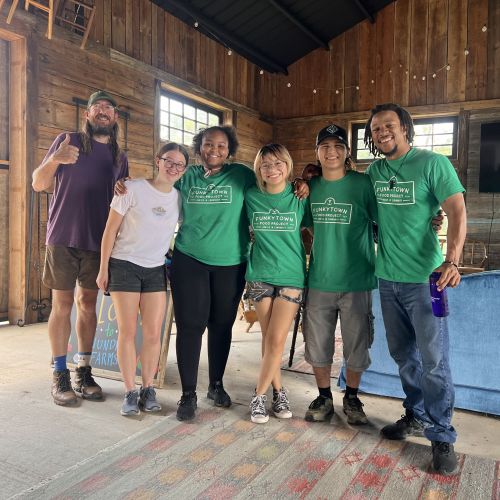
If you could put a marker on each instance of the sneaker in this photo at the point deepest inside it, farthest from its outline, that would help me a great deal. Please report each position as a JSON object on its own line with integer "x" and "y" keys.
{"x": 444, "y": 460}
{"x": 258, "y": 412}
{"x": 320, "y": 409}
{"x": 353, "y": 408}
{"x": 281, "y": 405}
{"x": 147, "y": 399}
{"x": 62, "y": 392}
{"x": 130, "y": 406}
{"x": 219, "y": 396}
{"x": 407, "y": 425}
{"x": 187, "y": 406}
{"x": 84, "y": 384}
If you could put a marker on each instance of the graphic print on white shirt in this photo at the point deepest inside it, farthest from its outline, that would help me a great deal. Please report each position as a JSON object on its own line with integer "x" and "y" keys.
{"x": 210, "y": 194}
{"x": 274, "y": 220}
{"x": 403, "y": 193}
{"x": 330, "y": 212}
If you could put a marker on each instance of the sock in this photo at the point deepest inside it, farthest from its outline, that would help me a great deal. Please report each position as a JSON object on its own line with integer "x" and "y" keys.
{"x": 351, "y": 392}
{"x": 84, "y": 359}
{"x": 326, "y": 392}
{"x": 60, "y": 363}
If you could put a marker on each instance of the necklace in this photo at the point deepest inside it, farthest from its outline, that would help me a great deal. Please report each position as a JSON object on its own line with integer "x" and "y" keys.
{"x": 393, "y": 179}
{"x": 211, "y": 171}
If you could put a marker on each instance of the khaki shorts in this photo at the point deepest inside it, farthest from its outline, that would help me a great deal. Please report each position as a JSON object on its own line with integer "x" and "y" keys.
{"x": 65, "y": 266}
{"x": 356, "y": 323}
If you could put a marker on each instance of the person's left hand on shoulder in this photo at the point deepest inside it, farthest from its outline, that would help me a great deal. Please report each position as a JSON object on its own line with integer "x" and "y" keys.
{"x": 300, "y": 188}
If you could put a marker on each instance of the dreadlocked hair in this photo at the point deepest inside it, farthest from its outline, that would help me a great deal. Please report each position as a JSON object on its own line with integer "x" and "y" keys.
{"x": 87, "y": 134}
{"x": 404, "y": 118}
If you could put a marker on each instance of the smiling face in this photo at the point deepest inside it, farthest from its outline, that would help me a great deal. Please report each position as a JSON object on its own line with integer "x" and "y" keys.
{"x": 389, "y": 135}
{"x": 102, "y": 116}
{"x": 171, "y": 166}
{"x": 273, "y": 171}
{"x": 214, "y": 149}
{"x": 332, "y": 154}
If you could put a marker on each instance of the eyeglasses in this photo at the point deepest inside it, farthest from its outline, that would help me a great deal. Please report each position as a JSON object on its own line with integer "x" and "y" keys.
{"x": 103, "y": 107}
{"x": 278, "y": 165}
{"x": 180, "y": 167}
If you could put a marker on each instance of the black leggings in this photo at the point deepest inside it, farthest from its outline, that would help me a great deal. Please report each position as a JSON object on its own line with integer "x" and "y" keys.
{"x": 204, "y": 296}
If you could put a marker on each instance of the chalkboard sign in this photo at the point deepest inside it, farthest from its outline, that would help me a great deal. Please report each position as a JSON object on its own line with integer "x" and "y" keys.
{"x": 104, "y": 361}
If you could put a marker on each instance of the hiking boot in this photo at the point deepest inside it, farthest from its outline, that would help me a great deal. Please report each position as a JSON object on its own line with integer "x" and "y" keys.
{"x": 130, "y": 406}
{"x": 84, "y": 384}
{"x": 406, "y": 426}
{"x": 258, "y": 412}
{"x": 444, "y": 460}
{"x": 353, "y": 408}
{"x": 187, "y": 406}
{"x": 147, "y": 399}
{"x": 219, "y": 396}
{"x": 62, "y": 392}
{"x": 320, "y": 409}
{"x": 281, "y": 405}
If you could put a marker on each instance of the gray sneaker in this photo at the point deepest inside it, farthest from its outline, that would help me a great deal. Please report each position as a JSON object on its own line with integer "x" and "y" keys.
{"x": 281, "y": 405}
{"x": 320, "y": 409}
{"x": 353, "y": 408}
{"x": 130, "y": 406}
{"x": 258, "y": 412}
{"x": 147, "y": 399}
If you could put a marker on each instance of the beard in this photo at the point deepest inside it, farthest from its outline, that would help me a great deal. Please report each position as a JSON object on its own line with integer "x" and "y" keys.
{"x": 389, "y": 153}
{"x": 101, "y": 129}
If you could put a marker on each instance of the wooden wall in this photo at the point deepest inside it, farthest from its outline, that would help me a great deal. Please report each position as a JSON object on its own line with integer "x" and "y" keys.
{"x": 393, "y": 60}
{"x": 133, "y": 47}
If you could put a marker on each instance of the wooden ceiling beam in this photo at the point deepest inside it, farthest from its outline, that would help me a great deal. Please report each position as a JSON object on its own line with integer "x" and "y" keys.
{"x": 310, "y": 34}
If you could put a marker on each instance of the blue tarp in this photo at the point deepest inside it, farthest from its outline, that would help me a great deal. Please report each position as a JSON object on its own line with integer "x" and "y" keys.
{"x": 474, "y": 325}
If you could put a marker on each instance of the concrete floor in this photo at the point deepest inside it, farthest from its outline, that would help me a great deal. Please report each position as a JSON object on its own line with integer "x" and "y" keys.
{"x": 39, "y": 439}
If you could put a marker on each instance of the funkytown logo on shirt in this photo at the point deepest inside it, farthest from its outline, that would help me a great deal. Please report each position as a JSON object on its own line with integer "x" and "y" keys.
{"x": 402, "y": 193}
{"x": 210, "y": 194}
{"x": 331, "y": 212}
{"x": 274, "y": 220}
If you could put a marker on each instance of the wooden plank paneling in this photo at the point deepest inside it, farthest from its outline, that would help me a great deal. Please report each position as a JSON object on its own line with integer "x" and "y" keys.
{"x": 367, "y": 64}
{"x": 437, "y": 51}
{"x": 385, "y": 49}
{"x": 118, "y": 18}
{"x": 145, "y": 30}
{"x": 351, "y": 74}
{"x": 418, "y": 53}
{"x": 477, "y": 61}
{"x": 457, "y": 44}
{"x": 401, "y": 59}
{"x": 493, "y": 83}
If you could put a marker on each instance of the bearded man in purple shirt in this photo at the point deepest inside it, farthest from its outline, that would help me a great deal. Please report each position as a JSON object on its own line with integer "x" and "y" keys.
{"x": 82, "y": 168}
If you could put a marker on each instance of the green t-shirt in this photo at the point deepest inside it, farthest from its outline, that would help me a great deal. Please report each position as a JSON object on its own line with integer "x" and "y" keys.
{"x": 408, "y": 248}
{"x": 343, "y": 255}
{"x": 277, "y": 255}
{"x": 214, "y": 226}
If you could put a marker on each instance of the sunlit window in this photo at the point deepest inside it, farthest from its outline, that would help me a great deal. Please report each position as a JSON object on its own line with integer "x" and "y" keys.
{"x": 181, "y": 118}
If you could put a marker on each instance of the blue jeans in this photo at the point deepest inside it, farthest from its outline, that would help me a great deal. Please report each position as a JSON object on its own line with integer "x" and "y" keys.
{"x": 418, "y": 342}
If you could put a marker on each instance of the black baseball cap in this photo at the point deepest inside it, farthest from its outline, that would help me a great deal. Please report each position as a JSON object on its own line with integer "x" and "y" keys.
{"x": 332, "y": 131}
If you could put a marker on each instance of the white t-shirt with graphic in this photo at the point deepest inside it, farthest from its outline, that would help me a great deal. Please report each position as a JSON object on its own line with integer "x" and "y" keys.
{"x": 149, "y": 221}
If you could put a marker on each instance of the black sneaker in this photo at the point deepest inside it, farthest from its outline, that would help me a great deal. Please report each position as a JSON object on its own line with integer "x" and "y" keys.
{"x": 219, "y": 396}
{"x": 444, "y": 460}
{"x": 187, "y": 406}
{"x": 353, "y": 408}
{"x": 406, "y": 426}
{"x": 320, "y": 410}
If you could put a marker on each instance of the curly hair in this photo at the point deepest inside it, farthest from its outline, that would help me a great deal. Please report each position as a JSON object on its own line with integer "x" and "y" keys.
{"x": 404, "y": 118}
{"x": 230, "y": 132}
{"x": 280, "y": 152}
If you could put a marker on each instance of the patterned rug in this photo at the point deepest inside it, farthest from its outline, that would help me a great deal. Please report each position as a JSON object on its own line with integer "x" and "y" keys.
{"x": 223, "y": 455}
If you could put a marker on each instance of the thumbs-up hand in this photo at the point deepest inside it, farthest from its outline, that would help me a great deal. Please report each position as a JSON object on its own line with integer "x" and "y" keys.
{"x": 66, "y": 153}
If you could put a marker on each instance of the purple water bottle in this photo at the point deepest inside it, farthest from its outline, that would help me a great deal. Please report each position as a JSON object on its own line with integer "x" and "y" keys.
{"x": 439, "y": 299}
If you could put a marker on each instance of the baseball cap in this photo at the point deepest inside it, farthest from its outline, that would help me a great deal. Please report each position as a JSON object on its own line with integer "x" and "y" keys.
{"x": 332, "y": 131}
{"x": 98, "y": 96}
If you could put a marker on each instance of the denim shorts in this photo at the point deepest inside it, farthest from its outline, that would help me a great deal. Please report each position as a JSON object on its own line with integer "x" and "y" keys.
{"x": 258, "y": 290}
{"x": 124, "y": 276}
{"x": 356, "y": 324}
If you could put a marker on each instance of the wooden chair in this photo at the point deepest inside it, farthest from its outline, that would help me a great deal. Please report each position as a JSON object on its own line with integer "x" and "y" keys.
{"x": 12, "y": 9}
{"x": 67, "y": 12}
{"x": 46, "y": 7}
{"x": 473, "y": 258}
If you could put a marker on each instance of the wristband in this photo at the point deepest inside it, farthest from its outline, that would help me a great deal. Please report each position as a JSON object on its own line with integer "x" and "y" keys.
{"x": 450, "y": 262}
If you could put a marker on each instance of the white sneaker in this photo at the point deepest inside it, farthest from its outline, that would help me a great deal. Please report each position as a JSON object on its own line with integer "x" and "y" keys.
{"x": 281, "y": 405}
{"x": 258, "y": 412}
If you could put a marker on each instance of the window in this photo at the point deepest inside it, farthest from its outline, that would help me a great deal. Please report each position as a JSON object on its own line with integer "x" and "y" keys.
{"x": 181, "y": 118}
{"x": 436, "y": 134}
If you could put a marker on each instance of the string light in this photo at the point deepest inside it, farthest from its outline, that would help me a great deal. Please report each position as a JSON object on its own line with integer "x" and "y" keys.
{"x": 229, "y": 52}
{"x": 466, "y": 52}
{"x": 196, "y": 24}
{"x": 261, "y": 72}
{"x": 484, "y": 29}
{"x": 288, "y": 84}
{"x": 315, "y": 91}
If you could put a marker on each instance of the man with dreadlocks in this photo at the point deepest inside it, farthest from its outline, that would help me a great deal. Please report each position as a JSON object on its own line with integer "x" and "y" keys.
{"x": 410, "y": 185}
{"x": 82, "y": 168}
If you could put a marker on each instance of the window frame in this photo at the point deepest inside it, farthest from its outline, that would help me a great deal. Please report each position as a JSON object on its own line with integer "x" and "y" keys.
{"x": 355, "y": 127}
